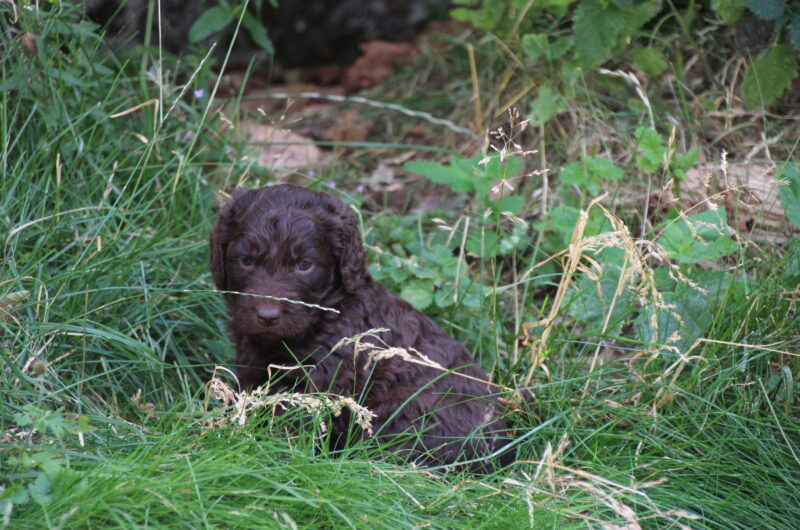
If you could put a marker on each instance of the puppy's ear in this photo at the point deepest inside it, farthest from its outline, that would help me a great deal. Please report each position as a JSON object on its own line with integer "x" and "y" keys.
{"x": 221, "y": 234}
{"x": 352, "y": 263}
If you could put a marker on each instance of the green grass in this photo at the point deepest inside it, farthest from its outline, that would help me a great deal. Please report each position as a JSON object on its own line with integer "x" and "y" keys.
{"x": 115, "y": 331}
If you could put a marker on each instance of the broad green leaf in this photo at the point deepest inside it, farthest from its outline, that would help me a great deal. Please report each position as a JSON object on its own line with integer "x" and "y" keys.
{"x": 510, "y": 203}
{"x": 455, "y": 177}
{"x": 769, "y": 77}
{"x": 729, "y": 10}
{"x": 766, "y": 9}
{"x": 559, "y": 48}
{"x": 590, "y": 302}
{"x": 418, "y": 293}
{"x": 495, "y": 169}
{"x": 793, "y": 31}
{"x": 651, "y": 149}
{"x": 603, "y": 168}
{"x": 255, "y": 28}
{"x": 789, "y": 193}
{"x": 700, "y": 237}
{"x": 637, "y": 13}
{"x": 534, "y": 45}
{"x": 597, "y": 30}
{"x": 488, "y": 16}
{"x": 547, "y": 105}
{"x": 650, "y": 60}
{"x": 686, "y": 312}
{"x": 482, "y": 243}
{"x": 444, "y": 297}
{"x": 211, "y": 21}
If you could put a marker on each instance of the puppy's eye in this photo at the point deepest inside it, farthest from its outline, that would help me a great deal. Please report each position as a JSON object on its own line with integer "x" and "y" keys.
{"x": 247, "y": 262}
{"x": 304, "y": 265}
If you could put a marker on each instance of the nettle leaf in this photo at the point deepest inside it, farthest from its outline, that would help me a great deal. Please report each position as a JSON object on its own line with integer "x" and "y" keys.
{"x": 588, "y": 173}
{"x": 562, "y": 220}
{"x": 769, "y": 77}
{"x": 418, "y": 293}
{"x": 651, "y": 149}
{"x": 255, "y": 28}
{"x": 789, "y": 193}
{"x": 211, "y": 21}
{"x": 497, "y": 169}
{"x": 729, "y": 10}
{"x": 510, "y": 203}
{"x": 766, "y": 9}
{"x": 684, "y": 162}
{"x": 487, "y": 15}
{"x": 597, "y": 30}
{"x": 650, "y": 60}
{"x": 699, "y": 237}
{"x": 454, "y": 175}
{"x": 635, "y": 15}
{"x": 546, "y": 106}
{"x": 534, "y": 45}
{"x": 591, "y": 299}
{"x": 603, "y": 168}
{"x": 686, "y": 312}
{"x": 483, "y": 243}
{"x": 793, "y": 31}
{"x": 559, "y": 48}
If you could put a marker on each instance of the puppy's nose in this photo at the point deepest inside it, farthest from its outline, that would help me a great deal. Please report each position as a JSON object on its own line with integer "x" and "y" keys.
{"x": 268, "y": 315}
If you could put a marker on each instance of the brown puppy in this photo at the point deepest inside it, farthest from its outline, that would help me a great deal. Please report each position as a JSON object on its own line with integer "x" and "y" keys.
{"x": 291, "y": 243}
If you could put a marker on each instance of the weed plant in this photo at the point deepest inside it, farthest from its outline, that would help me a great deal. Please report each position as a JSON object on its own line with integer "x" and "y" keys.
{"x": 110, "y": 333}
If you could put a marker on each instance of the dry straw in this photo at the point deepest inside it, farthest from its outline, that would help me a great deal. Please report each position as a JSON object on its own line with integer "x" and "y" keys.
{"x": 235, "y": 407}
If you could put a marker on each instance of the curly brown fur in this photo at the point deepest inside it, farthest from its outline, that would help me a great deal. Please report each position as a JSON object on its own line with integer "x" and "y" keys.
{"x": 292, "y": 243}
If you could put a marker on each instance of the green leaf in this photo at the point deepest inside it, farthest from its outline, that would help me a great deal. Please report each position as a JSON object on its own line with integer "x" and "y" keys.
{"x": 686, "y": 312}
{"x": 255, "y": 28}
{"x": 700, "y": 237}
{"x": 546, "y": 106}
{"x": 559, "y": 48}
{"x": 729, "y": 10}
{"x": 793, "y": 32}
{"x": 493, "y": 170}
{"x": 769, "y": 77}
{"x": 766, "y": 9}
{"x": 683, "y": 162}
{"x": 575, "y": 174}
{"x": 211, "y": 21}
{"x": 789, "y": 193}
{"x": 534, "y": 45}
{"x": 488, "y": 16}
{"x": 444, "y": 297}
{"x": 510, "y": 203}
{"x": 688, "y": 160}
{"x": 590, "y": 302}
{"x": 651, "y": 149}
{"x": 418, "y": 293}
{"x": 597, "y": 30}
{"x": 483, "y": 243}
{"x": 649, "y": 60}
{"x": 602, "y": 168}
{"x": 453, "y": 175}
{"x": 39, "y": 489}
{"x": 637, "y": 14}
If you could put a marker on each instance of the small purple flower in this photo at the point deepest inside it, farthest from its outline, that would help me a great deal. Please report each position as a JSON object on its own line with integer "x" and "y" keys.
{"x": 360, "y": 188}
{"x": 312, "y": 173}
{"x": 199, "y": 93}
{"x": 331, "y": 184}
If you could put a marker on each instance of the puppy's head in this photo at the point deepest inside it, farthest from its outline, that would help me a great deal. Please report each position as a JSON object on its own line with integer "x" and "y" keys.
{"x": 284, "y": 242}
